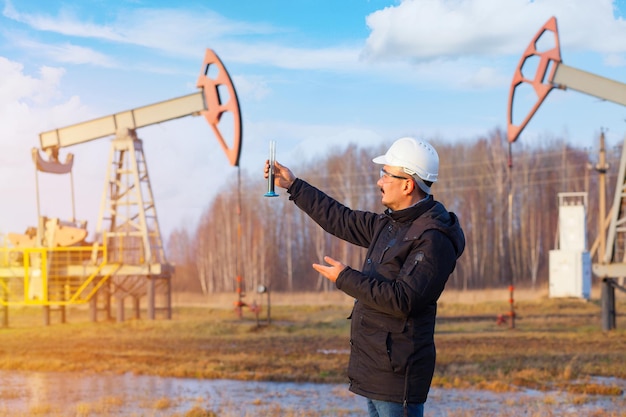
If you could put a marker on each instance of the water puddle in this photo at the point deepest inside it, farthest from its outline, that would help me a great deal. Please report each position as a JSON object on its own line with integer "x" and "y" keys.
{"x": 76, "y": 394}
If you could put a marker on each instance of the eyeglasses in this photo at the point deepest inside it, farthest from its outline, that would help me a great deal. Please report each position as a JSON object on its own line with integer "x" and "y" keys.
{"x": 384, "y": 174}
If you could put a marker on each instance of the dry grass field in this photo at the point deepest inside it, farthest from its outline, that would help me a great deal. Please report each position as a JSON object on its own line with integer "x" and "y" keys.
{"x": 556, "y": 344}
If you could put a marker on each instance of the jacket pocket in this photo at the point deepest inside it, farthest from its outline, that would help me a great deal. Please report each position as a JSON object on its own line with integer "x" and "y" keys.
{"x": 400, "y": 349}
{"x": 379, "y": 336}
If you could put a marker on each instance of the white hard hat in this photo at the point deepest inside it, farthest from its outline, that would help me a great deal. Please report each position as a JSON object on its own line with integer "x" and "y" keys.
{"x": 417, "y": 158}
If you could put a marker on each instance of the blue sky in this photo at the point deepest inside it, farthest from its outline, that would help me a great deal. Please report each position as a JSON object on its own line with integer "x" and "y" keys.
{"x": 310, "y": 74}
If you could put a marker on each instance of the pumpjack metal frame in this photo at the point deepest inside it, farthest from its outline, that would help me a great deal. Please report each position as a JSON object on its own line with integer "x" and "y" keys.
{"x": 52, "y": 266}
{"x": 552, "y": 73}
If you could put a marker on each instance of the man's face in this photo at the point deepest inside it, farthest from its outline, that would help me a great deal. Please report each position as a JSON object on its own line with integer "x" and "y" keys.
{"x": 393, "y": 183}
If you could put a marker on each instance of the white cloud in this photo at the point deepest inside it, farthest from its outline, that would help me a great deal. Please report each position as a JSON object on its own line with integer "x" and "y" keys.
{"x": 151, "y": 28}
{"x": 615, "y": 60}
{"x": 28, "y": 106}
{"x": 66, "y": 23}
{"x": 66, "y": 53}
{"x": 194, "y": 31}
{"x": 486, "y": 76}
{"x": 74, "y": 54}
{"x": 337, "y": 58}
{"x": 253, "y": 87}
{"x": 13, "y": 83}
{"x": 431, "y": 29}
{"x": 47, "y": 87}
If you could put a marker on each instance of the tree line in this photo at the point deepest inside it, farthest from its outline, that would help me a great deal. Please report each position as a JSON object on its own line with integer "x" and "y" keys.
{"x": 508, "y": 211}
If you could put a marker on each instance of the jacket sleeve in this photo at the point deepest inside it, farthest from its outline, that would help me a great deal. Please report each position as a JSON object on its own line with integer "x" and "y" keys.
{"x": 419, "y": 284}
{"x": 353, "y": 226}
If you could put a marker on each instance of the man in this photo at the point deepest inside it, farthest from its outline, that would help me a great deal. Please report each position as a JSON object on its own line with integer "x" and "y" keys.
{"x": 412, "y": 250}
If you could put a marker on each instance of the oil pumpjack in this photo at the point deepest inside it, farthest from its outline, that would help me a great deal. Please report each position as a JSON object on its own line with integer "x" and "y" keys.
{"x": 53, "y": 266}
{"x": 550, "y": 73}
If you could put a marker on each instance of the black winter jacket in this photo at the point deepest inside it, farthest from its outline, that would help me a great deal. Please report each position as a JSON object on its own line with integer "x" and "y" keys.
{"x": 411, "y": 253}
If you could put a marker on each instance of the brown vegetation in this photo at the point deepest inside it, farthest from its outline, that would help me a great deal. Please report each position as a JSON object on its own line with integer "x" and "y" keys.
{"x": 556, "y": 344}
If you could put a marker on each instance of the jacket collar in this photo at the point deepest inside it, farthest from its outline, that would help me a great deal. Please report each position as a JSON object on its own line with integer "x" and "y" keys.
{"x": 411, "y": 213}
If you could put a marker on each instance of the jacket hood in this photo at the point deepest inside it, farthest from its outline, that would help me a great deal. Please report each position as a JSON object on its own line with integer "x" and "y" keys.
{"x": 452, "y": 228}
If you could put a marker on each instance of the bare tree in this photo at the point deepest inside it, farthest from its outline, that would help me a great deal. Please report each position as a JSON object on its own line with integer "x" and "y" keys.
{"x": 180, "y": 250}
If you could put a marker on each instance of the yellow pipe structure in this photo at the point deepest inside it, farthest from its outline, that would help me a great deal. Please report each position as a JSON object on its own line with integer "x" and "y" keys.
{"x": 58, "y": 276}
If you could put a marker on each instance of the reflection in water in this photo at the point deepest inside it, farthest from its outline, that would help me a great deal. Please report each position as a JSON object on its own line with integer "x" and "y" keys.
{"x": 123, "y": 395}
{"x": 71, "y": 394}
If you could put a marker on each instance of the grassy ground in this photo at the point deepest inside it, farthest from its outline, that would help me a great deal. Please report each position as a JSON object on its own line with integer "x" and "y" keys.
{"x": 555, "y": 344}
